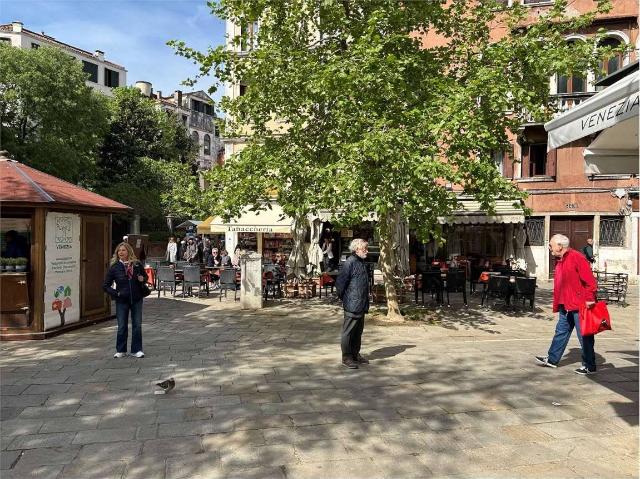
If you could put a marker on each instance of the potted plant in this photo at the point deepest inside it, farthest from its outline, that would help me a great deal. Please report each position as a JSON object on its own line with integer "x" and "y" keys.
{"x": 21, "y": 263}
{"x": 3, "y": 264}
{"x": 11, "y": 264}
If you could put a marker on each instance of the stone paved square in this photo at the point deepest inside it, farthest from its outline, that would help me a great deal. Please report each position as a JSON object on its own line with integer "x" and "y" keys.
{"x": 262, "y": 394}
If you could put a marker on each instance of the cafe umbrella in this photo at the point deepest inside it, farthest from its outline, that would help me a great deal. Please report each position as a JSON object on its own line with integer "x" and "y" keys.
{"x": 297, "y": 263}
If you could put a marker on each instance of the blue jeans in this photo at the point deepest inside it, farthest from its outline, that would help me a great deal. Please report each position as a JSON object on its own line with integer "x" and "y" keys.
{"x": 122, "y": 315}
{"x": 567, "y": 320}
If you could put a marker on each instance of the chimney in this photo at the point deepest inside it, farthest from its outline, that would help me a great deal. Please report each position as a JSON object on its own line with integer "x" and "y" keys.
{"x": 144, "y": 87}
{"x": 159, "y": 95}
{"x": 17, "y": 27}
{"x": 99, "y": 54}
{"x": 177, "y": 97}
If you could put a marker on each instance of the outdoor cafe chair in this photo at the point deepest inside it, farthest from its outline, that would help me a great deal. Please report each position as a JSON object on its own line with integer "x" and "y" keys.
{"x": 456, "y": 283}
{"x": 167, "y": 277}
{"x": 498, "y": 287}
{"x": 228, "y": 281}
{"x": 474, "y": 277}
{"x": 432, "y": 283}
{"x": 326, "y": 281}
{"x": 192, "y": 278}
{"x": 526, "y": 289}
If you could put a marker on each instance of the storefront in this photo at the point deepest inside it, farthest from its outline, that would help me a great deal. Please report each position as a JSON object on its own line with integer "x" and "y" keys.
{"x": 56, "y": 245}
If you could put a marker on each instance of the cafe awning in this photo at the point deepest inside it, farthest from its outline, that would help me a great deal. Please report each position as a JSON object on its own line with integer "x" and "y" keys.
{"x": 204, "y": 227}
{"x": 266, "y": 221}
{"x": 604, "y": 110}
{"x": 614, "y": 151}
{"x": 471, "y": 214}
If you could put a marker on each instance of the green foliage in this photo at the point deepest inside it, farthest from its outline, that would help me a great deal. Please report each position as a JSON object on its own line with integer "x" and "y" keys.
{"x": 374, "y": 120}
{"x": 50, "y": 119}
{"x": 138, "y": 129}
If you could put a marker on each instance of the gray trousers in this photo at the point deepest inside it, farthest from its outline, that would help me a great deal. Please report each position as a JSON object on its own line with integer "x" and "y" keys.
{"x": 352, "y": 328}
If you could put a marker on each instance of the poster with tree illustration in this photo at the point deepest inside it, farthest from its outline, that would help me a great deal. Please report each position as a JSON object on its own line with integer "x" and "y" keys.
{"x": 62, "y": 274}
{"x": 62, "y": 301}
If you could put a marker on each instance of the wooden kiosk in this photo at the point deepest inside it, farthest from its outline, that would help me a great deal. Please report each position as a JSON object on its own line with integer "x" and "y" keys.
{"x": 63, "y": 234}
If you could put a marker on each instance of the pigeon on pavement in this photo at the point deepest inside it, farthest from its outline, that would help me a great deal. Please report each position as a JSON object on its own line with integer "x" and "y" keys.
{"x": 166, "y": 386}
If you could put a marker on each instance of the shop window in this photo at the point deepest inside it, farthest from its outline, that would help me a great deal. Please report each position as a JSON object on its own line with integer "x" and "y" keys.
{"x": 612, "y": 231}
{"x": 15, "y": 238}
{"x": 614, "y": 62}
{"x": 535, "y": 231}
{"x": 92, "y": 70}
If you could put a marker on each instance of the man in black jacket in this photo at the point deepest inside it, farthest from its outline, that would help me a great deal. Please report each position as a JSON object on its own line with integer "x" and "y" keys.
{"x": 352, "y": 286}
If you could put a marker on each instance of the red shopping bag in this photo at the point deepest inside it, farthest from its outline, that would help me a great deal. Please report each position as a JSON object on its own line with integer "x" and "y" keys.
{"x": 595, "y": 319}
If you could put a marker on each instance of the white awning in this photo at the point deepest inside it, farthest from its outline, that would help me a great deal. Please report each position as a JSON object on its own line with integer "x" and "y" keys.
{"x": 472, "y": 214}
{"x": 267, "y": 221}
{"x": 614, "y": 151}
{"x": 615, "y": 104}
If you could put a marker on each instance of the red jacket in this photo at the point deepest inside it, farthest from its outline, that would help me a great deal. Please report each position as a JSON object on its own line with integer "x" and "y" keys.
{"x": 573, "y": 282}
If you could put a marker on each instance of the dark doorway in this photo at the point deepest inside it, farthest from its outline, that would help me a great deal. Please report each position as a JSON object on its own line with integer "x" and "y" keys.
{"x": 578, "y": 229}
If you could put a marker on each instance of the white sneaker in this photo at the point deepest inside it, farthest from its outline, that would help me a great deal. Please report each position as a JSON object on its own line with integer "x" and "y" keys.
{"x": 119, "y": 355}
{"x": 139, "y": 354}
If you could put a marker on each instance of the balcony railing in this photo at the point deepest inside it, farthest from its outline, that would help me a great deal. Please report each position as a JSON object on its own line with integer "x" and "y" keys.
{"x": 566, "y": 101}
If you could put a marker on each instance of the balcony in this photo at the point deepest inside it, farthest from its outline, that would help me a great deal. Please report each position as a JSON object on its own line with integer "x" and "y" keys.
{"x": 201, "y": 121}
{"x": 566, "y": 101}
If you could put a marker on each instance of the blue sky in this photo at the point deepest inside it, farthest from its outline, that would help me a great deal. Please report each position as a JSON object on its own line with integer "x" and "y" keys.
{"x": 132, "y": 33}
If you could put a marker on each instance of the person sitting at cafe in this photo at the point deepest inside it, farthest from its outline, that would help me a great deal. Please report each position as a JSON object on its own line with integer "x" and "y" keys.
{"x": 215, "y": 259}
{"x": 225, "y": 259}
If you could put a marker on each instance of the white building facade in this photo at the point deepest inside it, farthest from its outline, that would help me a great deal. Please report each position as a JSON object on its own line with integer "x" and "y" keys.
{"x": 103, "y": 74}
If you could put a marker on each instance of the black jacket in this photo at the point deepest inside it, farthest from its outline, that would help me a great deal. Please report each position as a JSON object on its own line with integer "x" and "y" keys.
{"x": 352, "y": 285}
{"x": 126, "y": 290}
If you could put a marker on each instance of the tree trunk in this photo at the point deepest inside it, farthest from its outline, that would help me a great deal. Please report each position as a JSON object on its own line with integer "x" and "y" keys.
{"x": 387, "y": 226}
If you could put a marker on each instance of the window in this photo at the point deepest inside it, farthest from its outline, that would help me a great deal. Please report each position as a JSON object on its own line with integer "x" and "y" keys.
{"x": 574, "y": 83}
{"x": 184, "y": 119}
{"x": 35, "y": 46}
{"x": 5, "y": 40}
{"x": 614, "y": 61}
{"x": 248, "y": 32}
{"x": 498, "y": 159}
{"x": 111, "y": 78}
{"x": 536, "y": 2}
{"x": 538, "y": 159}
{"x": 91, "y": 69}
{"x": 243, "y": 89}
{"x": 196, "y": 139}
{"x": 207, "y": 145}
{"x": 535, "y": 231}
{"x": 612, "y": 231}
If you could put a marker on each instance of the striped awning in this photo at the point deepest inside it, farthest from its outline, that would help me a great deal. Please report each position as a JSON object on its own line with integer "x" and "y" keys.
{"x": 471, "y": 214}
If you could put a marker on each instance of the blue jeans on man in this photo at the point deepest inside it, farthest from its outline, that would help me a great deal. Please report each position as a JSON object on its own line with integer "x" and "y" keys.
{"x": 567, "y": 320}
{"x": 122, "y": 315}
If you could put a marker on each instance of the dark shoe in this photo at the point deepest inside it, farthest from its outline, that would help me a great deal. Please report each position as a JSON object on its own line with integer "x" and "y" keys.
{"x": 544, "y": 361}
{"x": 350, "y": 363}
{"x": 583, "y": 371}
{"x": 362, "y": 360}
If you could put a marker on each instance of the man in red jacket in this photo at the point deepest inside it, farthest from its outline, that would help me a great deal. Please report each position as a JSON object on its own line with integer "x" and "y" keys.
{"x": 573, "y": 286}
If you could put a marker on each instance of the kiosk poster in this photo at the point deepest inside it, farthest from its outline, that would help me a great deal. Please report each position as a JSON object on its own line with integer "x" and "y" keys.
{"x": 62, "y": 275}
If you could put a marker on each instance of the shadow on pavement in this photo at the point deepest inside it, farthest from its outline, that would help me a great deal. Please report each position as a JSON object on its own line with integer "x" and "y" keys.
{"x": 389, "y": 351}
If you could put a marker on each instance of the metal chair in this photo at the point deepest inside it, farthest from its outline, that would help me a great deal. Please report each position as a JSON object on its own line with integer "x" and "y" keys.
{"x": 432, "y": 283}
{"x": 474, "y": 277}
{"x": 167, "y": 276}
{"x": 526, "y": 289}
{"x": 326, "y": 281}
{"x": 192, "y": 277}
{"x": 498, "y": 287}
{"x": 228, "y": 281}
{"x": 456, "y": 283}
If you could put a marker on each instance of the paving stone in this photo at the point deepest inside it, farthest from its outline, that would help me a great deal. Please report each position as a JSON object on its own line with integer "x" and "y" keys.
{"x": 105, "y": 435}
{"x": 24, "y": 400}
{"x": 47, "y": 456}
{"x": 104, "y": 452}
{"x": 12, "y": 389}
{"x": 67, "y": 424}
{"x": 19, "y": 427}
{"x": 348, "y": 469}
{"x": 172, "y": 446}
{"x": 8, "y": 458}
{"x": 39, "y": 472}
{"x": 149, "y": 467}
{"x": 194, "y": 465}
{"x": 47, "y": 389}
{"x": 256, "y": 473}
{"x": 7, "y": 413}
{"x": 35, "y": 441}
{"x": 127, "y": 420}
{"x": 259, "y": 456}
{"x": 102, "y": 470}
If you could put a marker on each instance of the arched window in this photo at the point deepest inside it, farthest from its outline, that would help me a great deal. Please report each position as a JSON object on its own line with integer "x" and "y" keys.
{"x": 196, "y": 139}
{"x": 207, "y": 145}
{"x": 574, "y": 83}
{"x": 613, "y": 62}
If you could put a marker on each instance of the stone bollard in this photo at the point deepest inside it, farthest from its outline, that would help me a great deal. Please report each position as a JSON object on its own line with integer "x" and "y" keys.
{"x": 251, "y": 281}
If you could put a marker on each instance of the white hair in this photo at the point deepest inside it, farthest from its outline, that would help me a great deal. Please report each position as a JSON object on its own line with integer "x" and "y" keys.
{"x": 357, "y": 244}
{"x": 560, "y": 240}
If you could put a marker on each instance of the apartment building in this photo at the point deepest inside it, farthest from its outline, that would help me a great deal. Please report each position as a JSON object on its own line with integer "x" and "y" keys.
{"x": 196, "y": 112}
{"x": 103, "y": 74}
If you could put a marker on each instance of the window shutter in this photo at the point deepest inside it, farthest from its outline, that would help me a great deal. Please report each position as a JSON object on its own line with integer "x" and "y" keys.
{"x": 525, "y": 161}
{"x": 552, "y": 156}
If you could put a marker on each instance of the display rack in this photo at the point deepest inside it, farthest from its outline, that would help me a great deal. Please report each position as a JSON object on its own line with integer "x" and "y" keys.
{"x": 276, "y": 242}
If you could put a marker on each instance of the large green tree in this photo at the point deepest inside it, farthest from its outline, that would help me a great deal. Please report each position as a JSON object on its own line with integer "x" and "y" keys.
{"x": 146, "y": 154}
{"x": 374, "y": 119}
{"x": 49, "y": 118}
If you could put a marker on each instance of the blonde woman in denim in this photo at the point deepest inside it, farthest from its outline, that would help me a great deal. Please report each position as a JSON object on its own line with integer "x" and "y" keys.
{"x": 129, "y": 277}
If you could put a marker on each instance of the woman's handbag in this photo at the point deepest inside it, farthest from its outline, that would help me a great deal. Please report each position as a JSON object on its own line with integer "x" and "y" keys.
{"x": 146, "y": 291}
{"x": 595, "y": 319}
